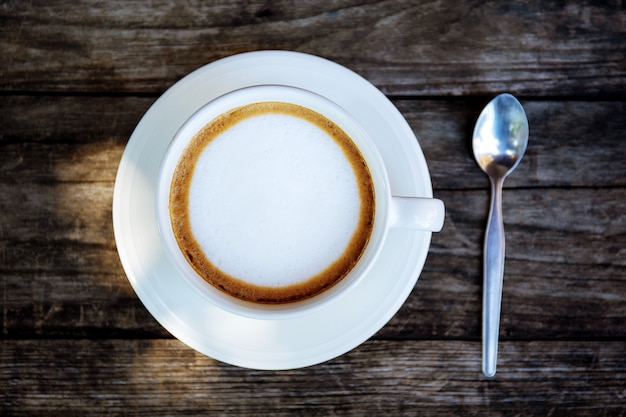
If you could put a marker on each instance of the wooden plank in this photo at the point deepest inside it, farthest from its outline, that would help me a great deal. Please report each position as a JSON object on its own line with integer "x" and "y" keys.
{"x": 148, "y": 377}
{"x": 67, "y": 119}
{"x": 572, "y": 144}
{"x": 538, "y": 221}
{"x": 73, "y": 304}
{"x": 57, "y": 257}
{"x": 540, "y": 301}
{"x": 565, "y": 265}
{"x": 531, "y": 48}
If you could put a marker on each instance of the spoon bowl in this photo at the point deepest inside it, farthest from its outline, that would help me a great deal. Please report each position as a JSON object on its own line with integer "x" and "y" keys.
{"x": 499, "y": 142}
{"x": 500, "y": 136}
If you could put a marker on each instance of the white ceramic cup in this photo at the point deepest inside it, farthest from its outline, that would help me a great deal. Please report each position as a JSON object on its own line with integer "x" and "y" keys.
{"x": 416, "y": 213}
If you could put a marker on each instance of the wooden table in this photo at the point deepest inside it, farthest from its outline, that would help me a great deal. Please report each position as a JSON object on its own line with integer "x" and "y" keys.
{"x": 76, "y": 78}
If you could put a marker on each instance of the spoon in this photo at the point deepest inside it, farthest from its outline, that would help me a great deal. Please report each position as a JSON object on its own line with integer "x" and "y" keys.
{"x": 499, "y": 142}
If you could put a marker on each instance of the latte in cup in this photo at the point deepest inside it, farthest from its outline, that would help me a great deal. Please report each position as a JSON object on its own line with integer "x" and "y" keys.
{"x": 272, "y": 203}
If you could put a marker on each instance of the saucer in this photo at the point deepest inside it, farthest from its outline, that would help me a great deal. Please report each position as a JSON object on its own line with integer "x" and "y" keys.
{"x": 267, "y": 344}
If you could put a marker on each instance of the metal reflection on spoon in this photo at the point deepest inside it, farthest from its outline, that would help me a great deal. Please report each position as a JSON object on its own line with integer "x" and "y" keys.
{"x": 499, "y": 142}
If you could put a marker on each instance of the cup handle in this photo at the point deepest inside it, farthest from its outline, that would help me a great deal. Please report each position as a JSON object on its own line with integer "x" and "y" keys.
{"x": 419, "y": 213}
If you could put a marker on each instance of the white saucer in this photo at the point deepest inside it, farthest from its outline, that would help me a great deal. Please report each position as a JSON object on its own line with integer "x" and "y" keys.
{"x": 237, "y": 340}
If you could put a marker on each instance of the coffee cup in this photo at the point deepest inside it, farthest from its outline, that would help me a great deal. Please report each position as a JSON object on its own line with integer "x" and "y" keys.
{"x": 273, "y": 201}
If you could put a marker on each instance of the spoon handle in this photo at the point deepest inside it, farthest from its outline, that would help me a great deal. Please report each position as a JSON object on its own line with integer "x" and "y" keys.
{"x": 492, "y": 278}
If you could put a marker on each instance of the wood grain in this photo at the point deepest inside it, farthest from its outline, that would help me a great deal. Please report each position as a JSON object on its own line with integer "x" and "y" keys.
{"x": 529, "y": 48}
{"x": 428, "y": 378}
{"x": 572, "y": 143}
{"x": 76, "y": 78}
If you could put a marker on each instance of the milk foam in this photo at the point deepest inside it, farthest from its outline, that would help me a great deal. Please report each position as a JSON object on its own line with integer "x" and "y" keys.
{"x": 273, "y": 200}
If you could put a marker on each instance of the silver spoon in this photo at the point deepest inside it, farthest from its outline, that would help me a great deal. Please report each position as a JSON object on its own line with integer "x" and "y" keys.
{"x": 499, "y": 142}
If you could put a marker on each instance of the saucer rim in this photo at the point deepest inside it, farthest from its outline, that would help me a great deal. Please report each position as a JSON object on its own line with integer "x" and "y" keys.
{"x": 353, "y": 329}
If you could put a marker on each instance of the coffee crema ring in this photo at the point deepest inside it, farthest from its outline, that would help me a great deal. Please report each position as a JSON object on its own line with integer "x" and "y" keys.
{"x": 264, "y": 290}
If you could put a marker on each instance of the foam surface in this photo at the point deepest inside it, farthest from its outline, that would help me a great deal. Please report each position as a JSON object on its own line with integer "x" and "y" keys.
{"x": 273, "y": 200}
